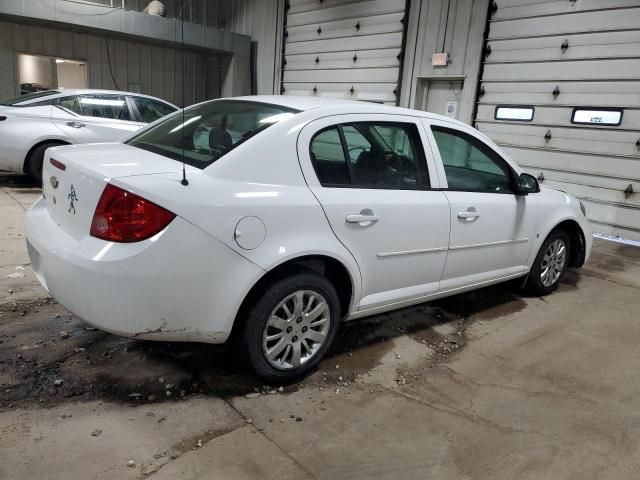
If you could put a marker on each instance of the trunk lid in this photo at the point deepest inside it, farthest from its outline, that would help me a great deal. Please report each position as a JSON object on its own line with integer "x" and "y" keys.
{"x": 72, "y": 189}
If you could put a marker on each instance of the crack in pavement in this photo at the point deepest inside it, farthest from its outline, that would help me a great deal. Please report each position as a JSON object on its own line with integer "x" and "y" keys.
{"x": 270, "y": 440}
{"x": 472, "y": 416}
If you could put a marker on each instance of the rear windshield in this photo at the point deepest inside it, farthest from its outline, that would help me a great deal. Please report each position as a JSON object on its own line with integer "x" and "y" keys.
{"x": 26, "y": 98}
{"x": 207, "y": 132}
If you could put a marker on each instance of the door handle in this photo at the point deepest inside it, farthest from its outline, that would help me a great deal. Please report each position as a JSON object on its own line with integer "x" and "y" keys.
{"x": 468, "y": 214}
{"x": 76, "y": 124}
{"x": 365, "y": 216}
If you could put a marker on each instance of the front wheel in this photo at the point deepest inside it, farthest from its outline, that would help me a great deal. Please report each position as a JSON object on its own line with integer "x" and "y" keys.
{"x": 550, "y": 264}
{"x": 291, "y": 327}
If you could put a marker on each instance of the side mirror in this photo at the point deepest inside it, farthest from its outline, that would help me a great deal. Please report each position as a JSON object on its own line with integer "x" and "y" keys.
{"x": 527, "y": 184}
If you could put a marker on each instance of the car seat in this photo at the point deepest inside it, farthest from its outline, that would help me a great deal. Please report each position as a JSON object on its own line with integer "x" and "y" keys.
{"x": 219, "y": 140}
{"x": 371, "y": 168}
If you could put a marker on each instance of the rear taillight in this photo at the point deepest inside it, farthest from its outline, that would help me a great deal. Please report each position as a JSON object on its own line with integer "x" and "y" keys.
{"x": 125, "y": 217}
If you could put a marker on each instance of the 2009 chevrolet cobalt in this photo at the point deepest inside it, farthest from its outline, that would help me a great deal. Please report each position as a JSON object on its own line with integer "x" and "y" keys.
{"x": 270, "y": 220}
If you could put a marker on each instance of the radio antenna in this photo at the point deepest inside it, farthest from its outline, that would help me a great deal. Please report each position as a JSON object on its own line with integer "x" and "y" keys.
{"x": 184, "y": 180}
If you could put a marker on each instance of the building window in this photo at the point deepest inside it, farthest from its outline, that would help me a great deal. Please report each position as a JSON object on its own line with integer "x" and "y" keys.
{"x": 597, "y": 116}
{"x": 513, "y": 112}
{"x": 38, "y": 73}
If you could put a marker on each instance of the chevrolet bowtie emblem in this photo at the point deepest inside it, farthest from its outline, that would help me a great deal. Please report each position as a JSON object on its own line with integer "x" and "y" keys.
{"x": 54, "y": 182}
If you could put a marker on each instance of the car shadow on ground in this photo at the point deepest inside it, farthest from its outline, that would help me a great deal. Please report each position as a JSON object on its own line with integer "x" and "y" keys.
{"x": 48, "y": 356}
{"x": 17, "y": 181}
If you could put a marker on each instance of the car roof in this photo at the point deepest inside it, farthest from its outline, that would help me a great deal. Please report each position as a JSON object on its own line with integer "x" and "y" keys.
{"x": 62, "y": 92}
{"x": 341, "y": 106}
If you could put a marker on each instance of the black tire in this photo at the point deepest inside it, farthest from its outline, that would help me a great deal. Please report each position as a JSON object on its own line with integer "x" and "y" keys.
{"x": 33, "y": 165}
{"x": 535, "y": 284}
{"x": 255, "y": 322}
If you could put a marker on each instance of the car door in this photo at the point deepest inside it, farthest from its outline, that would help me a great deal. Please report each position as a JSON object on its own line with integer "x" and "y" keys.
{"x": 94, "y": 118}
{"x": 374, "y": 182}
{"x": 492, "y": 228}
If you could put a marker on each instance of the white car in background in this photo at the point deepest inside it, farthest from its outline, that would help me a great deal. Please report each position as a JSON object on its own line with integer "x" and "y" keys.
{"x": 31, "y": 123}
{"x": 311, "y": 213}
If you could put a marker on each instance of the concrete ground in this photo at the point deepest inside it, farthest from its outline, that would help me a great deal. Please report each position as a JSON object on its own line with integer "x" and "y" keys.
{"x": 489, "y": 385}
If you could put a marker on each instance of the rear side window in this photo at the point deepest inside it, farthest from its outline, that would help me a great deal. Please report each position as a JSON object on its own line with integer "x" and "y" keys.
{"x": 151, "y": 110}
{"x": 470, "y": 165}
{"x": 19, "y": 101}
{"x": 113, "y": 107}
{"x": 328, "y": 157}
{"x": 374, "y": 155}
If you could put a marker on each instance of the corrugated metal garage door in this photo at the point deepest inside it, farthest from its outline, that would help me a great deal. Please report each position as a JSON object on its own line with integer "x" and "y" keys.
{"x": 344, "y": 49}
{"x": 557, "y": 56}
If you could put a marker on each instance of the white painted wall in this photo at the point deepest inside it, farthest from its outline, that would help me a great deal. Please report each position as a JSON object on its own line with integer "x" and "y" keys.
{"x": 72, "y": 75}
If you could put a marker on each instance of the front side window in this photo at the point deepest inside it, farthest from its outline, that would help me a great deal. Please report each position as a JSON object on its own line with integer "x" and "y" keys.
{"x": 70, "y": 103}
{"x": 470, "y": 165}
{"x": 374, "y": 155}
{"x": 151, "y": 110}
{"x": 113, "y": 107}
{"x": 202, "y": 134}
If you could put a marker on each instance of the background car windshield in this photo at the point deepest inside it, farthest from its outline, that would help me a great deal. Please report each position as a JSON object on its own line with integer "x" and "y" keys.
{"x": 25, "y": 98}
{"x": 207, "y": 132}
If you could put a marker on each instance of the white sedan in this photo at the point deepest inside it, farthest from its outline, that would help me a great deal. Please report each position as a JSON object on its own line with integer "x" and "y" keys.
{"x": 34, "y": 122}
{"x": 310, "y": 213}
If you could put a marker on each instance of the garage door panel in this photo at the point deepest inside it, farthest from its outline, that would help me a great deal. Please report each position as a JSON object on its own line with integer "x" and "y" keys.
{"x": 603, "y": 213}
{"x": 617, "y": 167}
{"x": 345, "y": 10}
{"x": 621, "y": 100}
{"x": 375, "y": 92}
{"x": 564, "y": 24}
{"x": 525, "y": 45}
{"x": 594, "y": 94}
{"x": 530, "y": 9}
{"x": 363, "y": 59}
{"x": 299, "y": 6}
{"x": 389, "y": 40}
{"x": 363, "y": 75}
{"x": 597, "y": 195}
{"x": 619, "y": 185}
{"x": 612, "y": 142}
{"x": 561, "y": 116}
{"x": 346, "y": 28}
{"x": 579, "y": 69}
{"x": 576, "y": 52}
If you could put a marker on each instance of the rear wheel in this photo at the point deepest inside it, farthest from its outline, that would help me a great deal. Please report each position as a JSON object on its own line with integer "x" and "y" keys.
{"x": 291, "y": 327}
{"x": 550, "y": 264}
{"x": 33, "y": 165}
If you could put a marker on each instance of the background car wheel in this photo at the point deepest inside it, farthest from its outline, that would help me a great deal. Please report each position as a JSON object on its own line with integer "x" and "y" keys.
{"x": 291, "y": 327}
{"x": 550, "y": 264}
{"x": 33, "y": 165}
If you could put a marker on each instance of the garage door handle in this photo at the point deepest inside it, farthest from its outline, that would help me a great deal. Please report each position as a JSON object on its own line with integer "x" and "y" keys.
{"x": 468, "y": 214}
{"x": 76, "y": 124}
{"x": 362, "y": 218}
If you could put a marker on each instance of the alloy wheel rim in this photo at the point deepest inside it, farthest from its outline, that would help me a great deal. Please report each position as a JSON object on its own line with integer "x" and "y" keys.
{"x": 553, "y": 262}
{"x": 296, "y": 330}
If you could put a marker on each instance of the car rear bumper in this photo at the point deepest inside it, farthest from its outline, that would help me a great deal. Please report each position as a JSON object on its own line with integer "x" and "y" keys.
{"x": 180, "y": 285}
